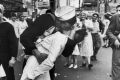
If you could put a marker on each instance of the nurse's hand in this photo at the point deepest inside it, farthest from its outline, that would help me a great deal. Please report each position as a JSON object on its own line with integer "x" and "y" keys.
{"x": 117, "y": 43}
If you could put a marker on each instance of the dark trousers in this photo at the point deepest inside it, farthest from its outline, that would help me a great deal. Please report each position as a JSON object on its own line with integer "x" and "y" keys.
{"x": 52, "y": 75}
{"x": 3, "y": 78}
{"x": 9, "y": 71}
{"x": 96, "y": 43}
{"x": 96, "y": 49}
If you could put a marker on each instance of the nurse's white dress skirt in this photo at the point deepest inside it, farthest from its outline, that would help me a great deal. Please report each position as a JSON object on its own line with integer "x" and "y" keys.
{"x": 31, "y": 64}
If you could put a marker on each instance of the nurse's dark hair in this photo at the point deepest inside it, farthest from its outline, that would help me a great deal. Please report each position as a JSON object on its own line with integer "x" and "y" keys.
{"x": 49, "y": 11}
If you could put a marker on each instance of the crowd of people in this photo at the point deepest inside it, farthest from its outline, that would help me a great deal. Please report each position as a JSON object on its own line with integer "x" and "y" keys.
{"x": 51, "y": 34}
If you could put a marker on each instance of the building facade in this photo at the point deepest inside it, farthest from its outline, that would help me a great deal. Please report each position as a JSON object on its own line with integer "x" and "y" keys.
{"x": 113, "y": 5}
{"x": 11, "y": 6}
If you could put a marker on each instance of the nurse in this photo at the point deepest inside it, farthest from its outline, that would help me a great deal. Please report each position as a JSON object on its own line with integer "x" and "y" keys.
{"x": 62, "y": 42}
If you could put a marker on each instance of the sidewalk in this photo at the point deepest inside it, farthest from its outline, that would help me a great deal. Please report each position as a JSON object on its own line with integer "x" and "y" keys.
{"x": 100, "y": 71}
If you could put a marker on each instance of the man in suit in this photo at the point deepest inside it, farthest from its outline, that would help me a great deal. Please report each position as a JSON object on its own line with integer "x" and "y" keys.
{"x": 8, "y": 46}
{"x": 114, "y": 34}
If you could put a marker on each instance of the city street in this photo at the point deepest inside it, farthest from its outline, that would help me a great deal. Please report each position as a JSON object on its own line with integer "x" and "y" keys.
{"x": 100, "y": 71}
{"x": 29, "y": 20}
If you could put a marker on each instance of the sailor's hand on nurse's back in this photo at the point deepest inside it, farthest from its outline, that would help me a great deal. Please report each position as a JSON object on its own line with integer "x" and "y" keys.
{"x": 40, "y": 56}
{"x": 80, "y": 35}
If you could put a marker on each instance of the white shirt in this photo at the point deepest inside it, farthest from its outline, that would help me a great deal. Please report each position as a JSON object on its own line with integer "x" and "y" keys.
{"x": 89, "y": 24}
{"x": 2, "y": 71}
{"x": 95, "y": 27}
{"x": 22, "y": 26}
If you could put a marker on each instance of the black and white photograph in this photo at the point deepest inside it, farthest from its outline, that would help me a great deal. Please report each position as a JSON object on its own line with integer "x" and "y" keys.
{"x": 59, "y": 39}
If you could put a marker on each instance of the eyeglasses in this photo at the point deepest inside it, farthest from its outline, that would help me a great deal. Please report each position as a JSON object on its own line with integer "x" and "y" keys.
{"x": 95, "y": 16}
{"x": 117, "y": 10}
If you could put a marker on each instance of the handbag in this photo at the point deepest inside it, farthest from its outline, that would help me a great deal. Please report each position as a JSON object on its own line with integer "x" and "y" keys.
{"x": 2, "y": 72}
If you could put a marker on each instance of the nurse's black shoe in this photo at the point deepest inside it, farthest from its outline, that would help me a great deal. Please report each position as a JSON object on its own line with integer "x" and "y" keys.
{"x": 90, "y": 66}
{"x": 3, "y": 78}
{"x": 93, "y": 58}
{"x": 66, "y": 65}
{"x": 83, "y": 65}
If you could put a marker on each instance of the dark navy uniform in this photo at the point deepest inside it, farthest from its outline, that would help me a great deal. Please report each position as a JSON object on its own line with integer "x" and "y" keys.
{"x": 8, "y": 48}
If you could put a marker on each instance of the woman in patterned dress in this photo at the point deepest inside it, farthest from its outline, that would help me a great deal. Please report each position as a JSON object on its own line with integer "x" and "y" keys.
{"x": 86, "y": 49}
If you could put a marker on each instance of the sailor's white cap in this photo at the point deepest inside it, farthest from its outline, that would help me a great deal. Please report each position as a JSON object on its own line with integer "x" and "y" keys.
{"x": 65, "y": 13}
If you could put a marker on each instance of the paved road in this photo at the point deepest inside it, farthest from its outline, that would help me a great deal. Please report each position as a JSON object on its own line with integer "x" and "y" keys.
{"x": 100, "y": 71}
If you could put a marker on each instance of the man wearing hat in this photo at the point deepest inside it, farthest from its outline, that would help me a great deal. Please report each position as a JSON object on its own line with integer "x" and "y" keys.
{"x": 61, "y": 42}
{"x": 95, "y": 35}
{"x": 8, "y": 46}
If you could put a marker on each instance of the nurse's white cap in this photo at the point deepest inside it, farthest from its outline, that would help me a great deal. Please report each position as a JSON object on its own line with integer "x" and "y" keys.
{"x": 65, "y": 13}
